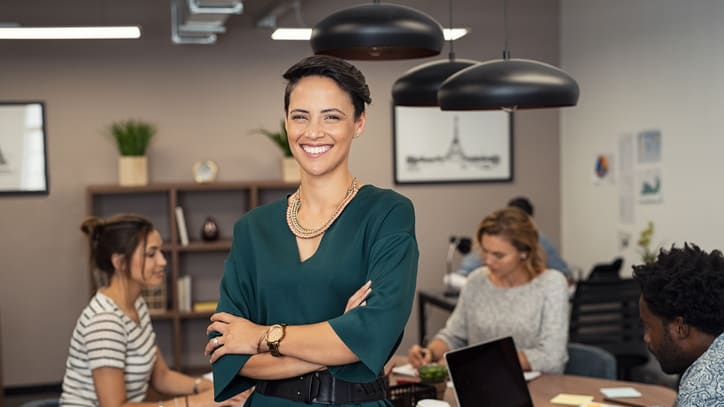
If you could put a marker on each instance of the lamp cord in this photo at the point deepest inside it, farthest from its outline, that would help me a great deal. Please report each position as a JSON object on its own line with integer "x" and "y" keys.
{"x": 452, "y": 47}
{"x": 506, "y": 51}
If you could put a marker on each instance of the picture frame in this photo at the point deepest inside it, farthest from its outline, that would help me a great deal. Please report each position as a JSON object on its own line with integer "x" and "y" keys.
{"x": 23, "y": 148}
{"x": 431, "y": 146}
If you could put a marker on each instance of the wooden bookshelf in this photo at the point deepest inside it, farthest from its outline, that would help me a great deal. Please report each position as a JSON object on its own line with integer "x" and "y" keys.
{"x": 182, "y": 334}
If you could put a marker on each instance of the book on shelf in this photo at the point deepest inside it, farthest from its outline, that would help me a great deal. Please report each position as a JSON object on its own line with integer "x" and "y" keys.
{"x": 183, "y": 234}
{"x": 183, "y": 290}
{"x": 205, "y": 306}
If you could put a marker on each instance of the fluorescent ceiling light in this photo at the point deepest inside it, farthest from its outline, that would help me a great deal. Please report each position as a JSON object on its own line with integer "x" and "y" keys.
{"x": 304, "y": 34}
{"x": 70, "y": 33}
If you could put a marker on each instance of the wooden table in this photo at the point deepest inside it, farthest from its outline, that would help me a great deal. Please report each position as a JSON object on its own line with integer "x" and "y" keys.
{"x": 547, "y": 386}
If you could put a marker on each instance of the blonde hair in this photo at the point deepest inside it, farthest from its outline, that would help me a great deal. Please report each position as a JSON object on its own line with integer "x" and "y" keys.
{"x": 519, "y": 229}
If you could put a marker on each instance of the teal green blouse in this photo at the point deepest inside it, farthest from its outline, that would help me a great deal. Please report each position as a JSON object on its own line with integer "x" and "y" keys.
{"x": 265, "y": 281}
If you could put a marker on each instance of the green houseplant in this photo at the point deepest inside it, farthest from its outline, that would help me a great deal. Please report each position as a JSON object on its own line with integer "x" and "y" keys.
{"x": 132, "y": 138}
{"x": 289, "y": 165}
{"x": 648, "y": 255}
{"x": 279, "y": 138}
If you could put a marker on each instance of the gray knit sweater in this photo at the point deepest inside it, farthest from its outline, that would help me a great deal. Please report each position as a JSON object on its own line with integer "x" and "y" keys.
{"x": 534, "y": 314}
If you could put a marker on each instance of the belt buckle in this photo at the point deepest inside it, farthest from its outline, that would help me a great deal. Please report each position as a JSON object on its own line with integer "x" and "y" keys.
{"x": 312, "y": 390}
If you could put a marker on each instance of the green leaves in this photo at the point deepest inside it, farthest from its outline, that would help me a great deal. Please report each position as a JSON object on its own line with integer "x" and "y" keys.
{"x": 132, "y": 136}
{"x": 279, "y": 138}
{"x": 648, "y": 256}
{"x": 432, "y": 373}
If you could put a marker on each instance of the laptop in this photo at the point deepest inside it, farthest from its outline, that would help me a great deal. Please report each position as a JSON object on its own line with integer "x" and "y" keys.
{"x": 488, "y": 374}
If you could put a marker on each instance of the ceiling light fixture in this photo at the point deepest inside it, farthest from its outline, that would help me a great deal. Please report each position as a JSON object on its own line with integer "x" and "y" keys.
{"x": 508, "y": 84}
{"x": 304, "y": 34}
{"x": 70, "y": 33}
{"x": 378, "y": 32}
{"x": 419, "y": 85}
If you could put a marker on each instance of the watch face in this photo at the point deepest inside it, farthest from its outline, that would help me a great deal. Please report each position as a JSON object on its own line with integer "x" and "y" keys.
{"x": 275, "y": 333}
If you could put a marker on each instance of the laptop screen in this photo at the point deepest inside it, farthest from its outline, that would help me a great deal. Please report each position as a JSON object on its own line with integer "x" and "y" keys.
{"x": 488, "y": 375}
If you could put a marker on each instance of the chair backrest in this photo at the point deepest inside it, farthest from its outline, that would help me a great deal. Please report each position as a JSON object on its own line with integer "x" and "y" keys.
{"x": 591, "y": 361}
{"x": 54, "y": 402}
{"x": 606, "y": 312}
{"x": 606, "y": 271}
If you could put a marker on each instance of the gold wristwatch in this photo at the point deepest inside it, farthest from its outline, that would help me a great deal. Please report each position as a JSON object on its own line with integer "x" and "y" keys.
{"x": 274, "y": 336}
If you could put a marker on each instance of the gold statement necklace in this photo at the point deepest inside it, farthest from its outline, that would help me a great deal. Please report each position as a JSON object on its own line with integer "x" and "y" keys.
{"x": 293, "y": 213}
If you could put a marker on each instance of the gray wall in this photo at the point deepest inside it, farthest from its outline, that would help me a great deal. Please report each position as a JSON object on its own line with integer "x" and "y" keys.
{"x": 644, "y": 64}
{"x": 204, "y": 100}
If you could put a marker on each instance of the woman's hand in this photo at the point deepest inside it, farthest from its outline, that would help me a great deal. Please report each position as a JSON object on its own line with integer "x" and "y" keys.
{"x": 419, "y": 356}
{"x": 359, "y": 298}
{"x": 238, "y": 336}
{"x": 206, "y": 399}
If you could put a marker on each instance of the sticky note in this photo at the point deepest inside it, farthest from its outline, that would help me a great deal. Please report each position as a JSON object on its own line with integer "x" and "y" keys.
{"x": 571, "y": 399}
{"x": 616, "y": 392}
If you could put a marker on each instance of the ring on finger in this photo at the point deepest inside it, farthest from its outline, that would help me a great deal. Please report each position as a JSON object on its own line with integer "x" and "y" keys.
{"x": 216, "y": 342}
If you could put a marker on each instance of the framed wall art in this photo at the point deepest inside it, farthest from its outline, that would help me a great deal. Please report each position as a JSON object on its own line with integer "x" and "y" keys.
{"x": 23, "y": 151}
{"x": 434, "y": 146}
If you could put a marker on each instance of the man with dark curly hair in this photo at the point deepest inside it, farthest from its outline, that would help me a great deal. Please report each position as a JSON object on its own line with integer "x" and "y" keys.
{"x": 682, "y": 309}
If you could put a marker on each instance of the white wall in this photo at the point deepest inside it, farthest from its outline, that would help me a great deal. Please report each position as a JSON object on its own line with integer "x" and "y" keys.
{"x": 643, "y": 64}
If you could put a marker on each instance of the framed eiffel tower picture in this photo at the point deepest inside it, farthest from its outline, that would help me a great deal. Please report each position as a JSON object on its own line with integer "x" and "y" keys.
{"x": 432, "y": 146}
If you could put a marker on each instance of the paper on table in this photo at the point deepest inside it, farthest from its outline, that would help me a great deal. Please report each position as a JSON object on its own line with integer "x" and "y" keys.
{"x": 531, "y": 375}
{"x": 405, "y": 370}
{"x": 571, "y": 399}
{"x": 617, "y": 392}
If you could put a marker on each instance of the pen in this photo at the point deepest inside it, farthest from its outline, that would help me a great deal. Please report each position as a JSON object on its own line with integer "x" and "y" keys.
{"x": 624, "y": 402}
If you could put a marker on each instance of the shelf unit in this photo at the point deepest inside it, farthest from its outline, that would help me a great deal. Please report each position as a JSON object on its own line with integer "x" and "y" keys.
{"x": 182, "y": 335}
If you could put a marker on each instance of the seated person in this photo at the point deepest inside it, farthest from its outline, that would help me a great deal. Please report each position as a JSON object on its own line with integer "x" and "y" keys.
{"x": 513, "y": 295}
{"x": 681, "y": 304}
{"x": 113, "y": 355}
{"x": 553, "y": 260}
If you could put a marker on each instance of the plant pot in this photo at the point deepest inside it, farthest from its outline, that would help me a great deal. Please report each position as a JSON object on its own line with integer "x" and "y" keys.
{"x": 290, "y": 170}
{"x": 133, "y": 170}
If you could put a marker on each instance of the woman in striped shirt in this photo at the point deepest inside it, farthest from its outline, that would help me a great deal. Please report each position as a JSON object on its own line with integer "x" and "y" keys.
{"x": 113, "y": 355}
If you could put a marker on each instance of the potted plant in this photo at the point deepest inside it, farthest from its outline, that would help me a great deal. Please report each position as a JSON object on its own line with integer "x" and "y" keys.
{"x": 648, "y": 255}
{"x": 132, "y": 138}
{"x": 436, "y": 375}
{"x": 290, "y": 167}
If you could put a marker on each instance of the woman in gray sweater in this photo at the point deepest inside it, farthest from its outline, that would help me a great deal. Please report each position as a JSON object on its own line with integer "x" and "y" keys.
{"x": 513, "y": 295}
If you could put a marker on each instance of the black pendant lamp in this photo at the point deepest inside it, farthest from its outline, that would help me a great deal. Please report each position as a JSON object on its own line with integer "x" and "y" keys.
{"x": 508, "y": 84}
{"x": 419, "y": 85}
{"x": 378, "y": 32}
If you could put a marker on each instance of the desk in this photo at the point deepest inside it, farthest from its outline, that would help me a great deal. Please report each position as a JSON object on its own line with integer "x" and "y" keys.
{"x": 436, "y": 299}
{"x": 547, "y": 386}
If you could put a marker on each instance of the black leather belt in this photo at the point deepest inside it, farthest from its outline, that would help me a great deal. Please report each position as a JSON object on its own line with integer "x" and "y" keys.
{"x": 323, "y": 388}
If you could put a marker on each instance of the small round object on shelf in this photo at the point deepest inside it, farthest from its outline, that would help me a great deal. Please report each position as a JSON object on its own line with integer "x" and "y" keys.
{"x": 210, "y": 230}
{"x": 205, "y": 171}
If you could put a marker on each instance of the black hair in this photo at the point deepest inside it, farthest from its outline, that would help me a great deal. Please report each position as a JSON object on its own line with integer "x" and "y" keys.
{"x": 522, "y": 203}
{"x": 120, "y": 234}
{"x": 346, "y": 75}
{"x": 686, "y": 282}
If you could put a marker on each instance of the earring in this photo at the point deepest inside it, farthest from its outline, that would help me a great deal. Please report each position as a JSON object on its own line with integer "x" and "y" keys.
{"x": 356, "y": 135}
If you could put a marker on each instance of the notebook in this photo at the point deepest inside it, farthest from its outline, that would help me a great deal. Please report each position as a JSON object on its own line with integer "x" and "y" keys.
{"x": 488, "y": 375}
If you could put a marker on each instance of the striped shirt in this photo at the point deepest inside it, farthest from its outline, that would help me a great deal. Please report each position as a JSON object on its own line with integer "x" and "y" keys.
{"x": 105, "y": 337}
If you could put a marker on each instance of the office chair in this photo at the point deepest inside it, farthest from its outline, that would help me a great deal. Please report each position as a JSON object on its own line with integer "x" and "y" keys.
{"x": 606, "y": 271}
{"x": 591, "y": 361}
{"x": 605, "y": 314}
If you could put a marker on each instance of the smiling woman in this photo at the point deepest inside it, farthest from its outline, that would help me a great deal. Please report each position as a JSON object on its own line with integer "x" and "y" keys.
{"x": 113, "y": 356}
{"x": 309, "y": 277}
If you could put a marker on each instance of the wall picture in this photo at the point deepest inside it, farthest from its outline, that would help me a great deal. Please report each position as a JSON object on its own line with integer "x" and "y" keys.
{"x": 434, "y": 146}
{"x": 23, "y": 164}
